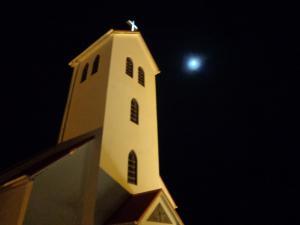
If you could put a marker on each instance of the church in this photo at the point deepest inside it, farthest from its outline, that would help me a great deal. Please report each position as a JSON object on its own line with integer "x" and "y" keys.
{"x": 104, "y": 169}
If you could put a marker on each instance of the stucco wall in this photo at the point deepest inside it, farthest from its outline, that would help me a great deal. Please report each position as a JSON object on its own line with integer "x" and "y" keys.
{"x": 110, "y": 196}
{"x": 13, "y": 202}
{"x": 120, "y": 135}
{"x": 64, "y": 192}
{"x": 84, "y": 111}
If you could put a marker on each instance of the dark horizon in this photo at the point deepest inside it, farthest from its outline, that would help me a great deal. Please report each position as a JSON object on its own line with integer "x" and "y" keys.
{"x": 226, "y": 134}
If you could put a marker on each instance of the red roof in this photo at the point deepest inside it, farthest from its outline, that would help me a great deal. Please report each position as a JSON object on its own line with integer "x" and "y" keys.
{"x": 133, "y": 208}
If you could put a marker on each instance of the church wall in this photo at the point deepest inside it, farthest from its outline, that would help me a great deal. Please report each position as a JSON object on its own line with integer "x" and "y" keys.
{"x": 85, "y": 107}
{"x": 110, "y": 197}
{"x": 14, "y": 201}
{"x": 120, "y": 135}
{"x": 65, "y": 191}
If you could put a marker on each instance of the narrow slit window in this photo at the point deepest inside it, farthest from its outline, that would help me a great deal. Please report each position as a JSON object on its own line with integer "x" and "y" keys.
{"x": 132, "y": 168}
{"x": 141, "y": 76}
{"x": 84, "y": 73}
{"x": 129, "y": 67}
{"x": 134, "y": 111}
{"x": 95, "y": 65}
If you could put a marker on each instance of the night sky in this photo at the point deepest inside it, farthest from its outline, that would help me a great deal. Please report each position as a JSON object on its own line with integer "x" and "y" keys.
{"x": 227, "y": 134}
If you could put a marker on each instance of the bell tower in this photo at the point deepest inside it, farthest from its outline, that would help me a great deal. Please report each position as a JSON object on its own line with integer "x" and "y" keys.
{"x": 113, "y": 88}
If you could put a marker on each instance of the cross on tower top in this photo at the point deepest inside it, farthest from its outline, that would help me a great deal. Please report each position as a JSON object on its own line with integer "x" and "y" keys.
{"x": 132, "y": 24}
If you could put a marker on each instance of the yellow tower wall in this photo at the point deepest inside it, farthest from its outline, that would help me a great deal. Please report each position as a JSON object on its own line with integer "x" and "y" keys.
{"x": 120, "y": 135}
{"x": 103, "y": 101}
{"x": 86, "y": 102}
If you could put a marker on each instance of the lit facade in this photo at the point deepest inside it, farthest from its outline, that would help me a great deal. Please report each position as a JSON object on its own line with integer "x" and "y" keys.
{"x": 112, "y": 92}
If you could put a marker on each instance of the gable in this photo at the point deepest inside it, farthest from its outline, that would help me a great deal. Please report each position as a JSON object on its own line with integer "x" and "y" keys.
{"x": 159, "y": 215}
{"x": 160, "y": 212}
{"x": 147, "y": 208}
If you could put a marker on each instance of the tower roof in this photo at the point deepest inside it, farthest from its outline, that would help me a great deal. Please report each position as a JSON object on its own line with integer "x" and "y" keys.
{"x": 111, "y": 33}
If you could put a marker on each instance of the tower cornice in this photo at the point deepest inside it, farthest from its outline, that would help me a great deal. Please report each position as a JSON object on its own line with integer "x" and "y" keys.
{"x": 110, "y": 34}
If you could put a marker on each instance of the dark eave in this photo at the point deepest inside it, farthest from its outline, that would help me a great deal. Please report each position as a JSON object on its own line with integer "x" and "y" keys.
{"x": 35, "y": 164}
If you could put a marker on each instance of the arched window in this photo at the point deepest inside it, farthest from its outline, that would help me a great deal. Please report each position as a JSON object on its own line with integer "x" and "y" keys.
{"x": 84, "y": 72}
{"x": 95, "y": 64}
{"x": 134, "y": 111}
{"x": 141, "y": 76}
{"x": 132, "y": 168}
{"x": 129, "y": 67}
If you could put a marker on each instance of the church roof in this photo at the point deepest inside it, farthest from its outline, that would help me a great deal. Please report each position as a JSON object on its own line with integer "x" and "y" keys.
{"x": 33, "y": 165}
{"x": 133, "y": 209}
{"x": 109, "y": 34}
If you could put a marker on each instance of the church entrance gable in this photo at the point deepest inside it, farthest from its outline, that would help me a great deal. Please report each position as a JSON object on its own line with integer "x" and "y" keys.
{"x": 159, "y": 215}
{"x": 160, "y": 212}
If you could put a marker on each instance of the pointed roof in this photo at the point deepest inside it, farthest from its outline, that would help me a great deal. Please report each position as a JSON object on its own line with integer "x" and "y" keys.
{"x": 133, "y": 209}
{"x": 109, "y": 34}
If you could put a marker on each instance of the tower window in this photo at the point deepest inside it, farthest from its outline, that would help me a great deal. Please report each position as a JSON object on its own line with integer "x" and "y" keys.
{"x": 95, "y": 64}
{"x": 132, "y": 168}
{"x": 129, "y": 67}
{"x": 84, "y": 73}
{"x": 134, "y": 111}
{"x": 141, "y": 76}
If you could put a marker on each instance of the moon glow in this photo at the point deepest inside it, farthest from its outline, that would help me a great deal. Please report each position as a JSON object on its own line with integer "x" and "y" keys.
{"x": 193, "y": 63}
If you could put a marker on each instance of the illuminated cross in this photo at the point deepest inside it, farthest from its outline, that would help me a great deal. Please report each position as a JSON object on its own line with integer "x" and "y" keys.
{"x": 132, "y": 24}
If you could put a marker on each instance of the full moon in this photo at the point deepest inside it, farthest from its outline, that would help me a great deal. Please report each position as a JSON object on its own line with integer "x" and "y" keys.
{"x": 193, "y": 63}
